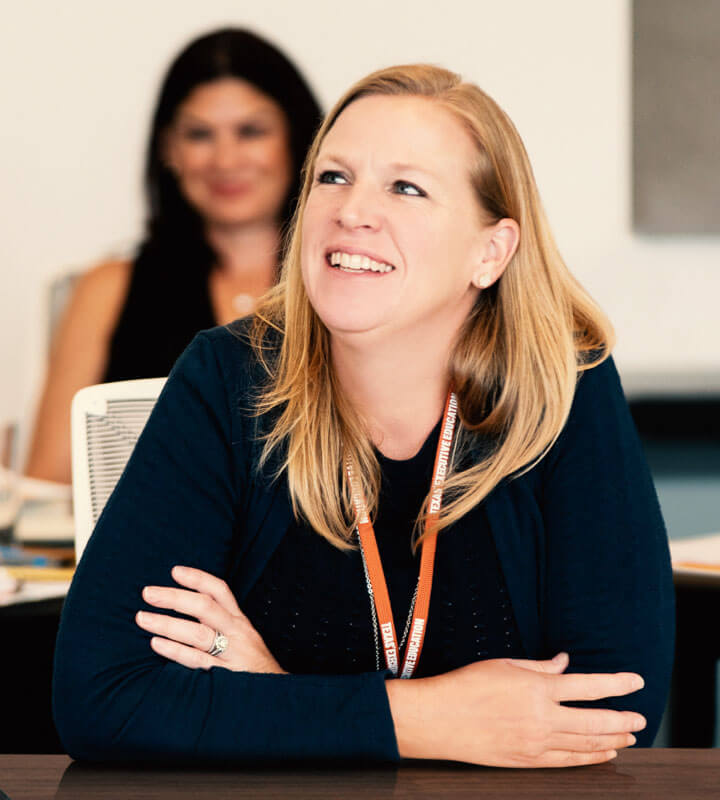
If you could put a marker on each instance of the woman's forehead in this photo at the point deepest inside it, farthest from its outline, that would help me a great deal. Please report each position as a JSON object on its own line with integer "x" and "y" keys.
{"x": 403, "y": 130}
{"x": 222, "y": 96}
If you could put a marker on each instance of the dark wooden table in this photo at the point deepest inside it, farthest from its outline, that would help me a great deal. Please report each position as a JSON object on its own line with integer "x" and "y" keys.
{"x": 653, "y": 774}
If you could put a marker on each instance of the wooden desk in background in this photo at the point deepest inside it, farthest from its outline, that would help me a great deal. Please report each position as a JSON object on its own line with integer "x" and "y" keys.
{"x": 650, "y": 774}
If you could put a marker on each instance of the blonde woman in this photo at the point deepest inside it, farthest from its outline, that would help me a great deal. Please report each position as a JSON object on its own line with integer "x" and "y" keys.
{"x": 415, "y": 461}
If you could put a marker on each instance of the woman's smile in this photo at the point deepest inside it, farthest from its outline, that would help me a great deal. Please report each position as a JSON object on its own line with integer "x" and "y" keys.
{"x": 357, "y": 263}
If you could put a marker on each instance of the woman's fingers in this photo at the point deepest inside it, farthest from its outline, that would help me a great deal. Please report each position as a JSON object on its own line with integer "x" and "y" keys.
{"x": 208, "y": 584}
{"x": 594, "y": 743}
{"x": 201, "y": 606}
{"x": 596, "y": 721}
{"x": 182, "y": 654}
{"x": 590, "y": 686}
{"x": 194, "y": 634}
{"x": 570, "y": 758}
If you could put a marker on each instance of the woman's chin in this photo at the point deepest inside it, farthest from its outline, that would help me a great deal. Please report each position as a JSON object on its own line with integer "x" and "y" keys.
{"x": 232, "y": 215}
{"x": 344, "y": 324}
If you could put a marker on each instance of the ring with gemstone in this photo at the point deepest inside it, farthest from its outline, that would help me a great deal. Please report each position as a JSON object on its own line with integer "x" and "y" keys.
{"x": 219, "y": 645}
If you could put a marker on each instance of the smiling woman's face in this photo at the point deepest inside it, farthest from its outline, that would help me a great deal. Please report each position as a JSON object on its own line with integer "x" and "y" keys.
{"x": 229, "y": 149}
{"x": 392, "y": 232}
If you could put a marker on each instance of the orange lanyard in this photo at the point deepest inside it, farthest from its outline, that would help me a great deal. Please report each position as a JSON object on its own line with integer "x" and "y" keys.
{"x": 373, "y": 565}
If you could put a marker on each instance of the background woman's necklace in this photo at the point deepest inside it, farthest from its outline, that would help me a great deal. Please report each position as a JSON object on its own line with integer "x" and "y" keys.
{"x": 243, "y": 304}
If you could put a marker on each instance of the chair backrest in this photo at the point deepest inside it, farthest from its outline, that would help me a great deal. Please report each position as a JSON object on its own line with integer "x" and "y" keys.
{"x": 107, "y": 420}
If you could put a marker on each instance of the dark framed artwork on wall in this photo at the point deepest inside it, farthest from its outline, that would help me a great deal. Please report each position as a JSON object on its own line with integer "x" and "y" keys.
{"x": 676, "y": 116}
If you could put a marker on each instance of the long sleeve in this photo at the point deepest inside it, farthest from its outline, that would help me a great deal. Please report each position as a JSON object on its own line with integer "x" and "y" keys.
{"x": 609, "y": 598}
{"x": 183, "y": 500}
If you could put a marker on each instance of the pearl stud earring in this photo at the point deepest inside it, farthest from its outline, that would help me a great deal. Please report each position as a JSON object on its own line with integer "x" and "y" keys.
{"x": 485, "y": 280}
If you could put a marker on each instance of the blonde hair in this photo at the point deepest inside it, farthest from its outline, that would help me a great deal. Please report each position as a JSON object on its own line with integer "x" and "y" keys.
{"x": 514, "y": 365}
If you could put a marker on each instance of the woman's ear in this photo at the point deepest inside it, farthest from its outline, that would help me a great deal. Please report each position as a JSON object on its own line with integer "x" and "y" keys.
{"x": 500, "y": 241}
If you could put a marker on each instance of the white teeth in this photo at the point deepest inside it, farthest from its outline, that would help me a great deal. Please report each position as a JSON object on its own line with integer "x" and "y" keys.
{"x": 354, "y": 262}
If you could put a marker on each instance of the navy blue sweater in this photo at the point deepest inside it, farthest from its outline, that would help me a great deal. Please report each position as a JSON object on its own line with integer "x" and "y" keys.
{"x": 580, "y": 540}
{"x": 320, "y": 621}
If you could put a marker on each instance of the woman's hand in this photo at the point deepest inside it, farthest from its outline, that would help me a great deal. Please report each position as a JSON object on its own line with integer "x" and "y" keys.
{"x": 211, "y": 602}
{"x": 507, "y": 713}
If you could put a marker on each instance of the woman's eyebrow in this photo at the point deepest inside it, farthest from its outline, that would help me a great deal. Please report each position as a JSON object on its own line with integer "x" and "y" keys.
{"x": 259, "y": 116}
{"x": 337, "y": 159}
{"x": 395, "y": 166}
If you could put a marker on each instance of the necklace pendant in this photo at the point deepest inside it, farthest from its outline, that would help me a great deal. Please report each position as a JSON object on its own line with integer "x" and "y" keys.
{"x": 243, "y": 304}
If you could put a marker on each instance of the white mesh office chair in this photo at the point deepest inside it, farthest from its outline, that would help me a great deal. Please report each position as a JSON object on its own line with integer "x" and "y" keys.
{"x": 107, "y": 420}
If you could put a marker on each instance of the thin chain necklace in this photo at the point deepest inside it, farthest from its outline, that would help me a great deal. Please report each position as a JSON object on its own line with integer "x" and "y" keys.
{"x": 373, "y": 612}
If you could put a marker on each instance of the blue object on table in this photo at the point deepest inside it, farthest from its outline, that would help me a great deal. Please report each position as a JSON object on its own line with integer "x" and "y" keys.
{"x": 17, "y": 556}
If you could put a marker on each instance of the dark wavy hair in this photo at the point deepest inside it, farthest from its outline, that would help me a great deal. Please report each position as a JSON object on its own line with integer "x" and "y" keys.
{"x": 174, "y": 230}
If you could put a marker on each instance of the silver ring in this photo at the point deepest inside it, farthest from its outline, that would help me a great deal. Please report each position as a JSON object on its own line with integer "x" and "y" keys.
{"x": 219, "y": 645}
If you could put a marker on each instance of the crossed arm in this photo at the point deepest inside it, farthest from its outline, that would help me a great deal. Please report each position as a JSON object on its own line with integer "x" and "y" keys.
{"x": 502, "y": 712}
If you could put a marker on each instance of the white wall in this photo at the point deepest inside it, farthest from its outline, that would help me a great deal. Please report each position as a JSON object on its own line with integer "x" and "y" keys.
{"x": 78, "y": 80}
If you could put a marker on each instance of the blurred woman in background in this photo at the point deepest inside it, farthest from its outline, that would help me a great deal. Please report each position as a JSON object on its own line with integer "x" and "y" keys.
{"x": 229, "y": 134}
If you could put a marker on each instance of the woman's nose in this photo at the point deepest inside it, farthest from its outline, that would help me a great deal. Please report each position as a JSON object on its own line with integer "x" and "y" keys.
{"x": 228, "y": 153}
{"x": 359, "y": 208}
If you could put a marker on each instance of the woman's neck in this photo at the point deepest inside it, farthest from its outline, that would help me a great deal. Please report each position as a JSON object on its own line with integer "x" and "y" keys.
{"x": 398, "y": 387}
{"x": 246, "y": 249}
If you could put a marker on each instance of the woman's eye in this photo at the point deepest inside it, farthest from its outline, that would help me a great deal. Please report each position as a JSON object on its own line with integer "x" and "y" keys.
{"x": 197, "y": 134}
{"x": 410, "y": 189}
{"x": 331, "y": 176}
{"x": 251, "y": 131}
